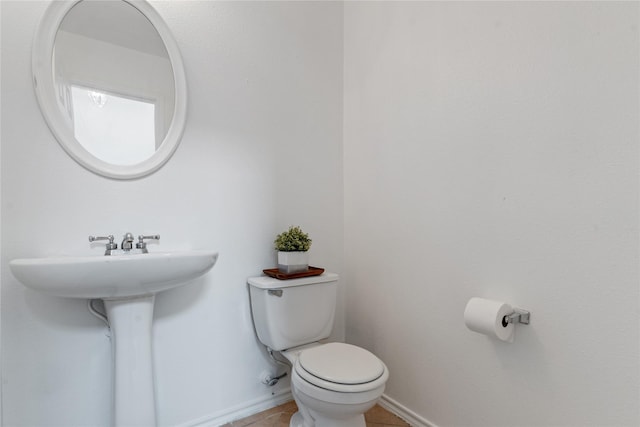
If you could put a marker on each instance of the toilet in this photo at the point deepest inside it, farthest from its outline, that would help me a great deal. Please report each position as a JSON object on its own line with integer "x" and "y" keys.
{"x": 333, "y": 384}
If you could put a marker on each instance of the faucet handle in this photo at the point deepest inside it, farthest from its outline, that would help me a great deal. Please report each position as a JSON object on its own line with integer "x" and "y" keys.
{"x": 109, "y": 238}
{"x": 110, "y": 246}
{"x": 142, "y": 244}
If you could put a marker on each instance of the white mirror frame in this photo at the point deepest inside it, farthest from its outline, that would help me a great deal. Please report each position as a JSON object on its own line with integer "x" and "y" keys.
{"x": 43, "y": 82}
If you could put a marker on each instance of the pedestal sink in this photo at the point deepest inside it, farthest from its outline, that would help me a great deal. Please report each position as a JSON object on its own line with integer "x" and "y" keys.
{"x": 127, "y": 284}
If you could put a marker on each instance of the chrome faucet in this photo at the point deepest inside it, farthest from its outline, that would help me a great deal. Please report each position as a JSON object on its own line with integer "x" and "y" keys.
{"x": 126, "y": 247}
{"x": 127, "y": 242}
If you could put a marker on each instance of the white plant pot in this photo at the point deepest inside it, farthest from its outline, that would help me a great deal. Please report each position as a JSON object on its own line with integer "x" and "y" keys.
{"x": 293, "y": 262}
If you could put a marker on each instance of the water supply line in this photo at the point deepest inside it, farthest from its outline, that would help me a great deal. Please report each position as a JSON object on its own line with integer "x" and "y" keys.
{"x": 100, "y": 315}
{"x": 273, "y": 380}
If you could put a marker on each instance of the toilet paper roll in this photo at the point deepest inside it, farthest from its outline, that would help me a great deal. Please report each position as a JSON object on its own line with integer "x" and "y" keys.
{"x": 486, "y": 317}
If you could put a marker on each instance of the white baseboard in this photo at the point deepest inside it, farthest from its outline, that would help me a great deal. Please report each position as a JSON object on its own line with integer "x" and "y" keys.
{"x": 241, "y": 411}
{"x": 267, "y": 402}
{"x": 403, "y": 412}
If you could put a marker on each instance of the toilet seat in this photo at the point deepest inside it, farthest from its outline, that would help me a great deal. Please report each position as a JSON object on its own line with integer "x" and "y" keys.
{"x": 341, "y": 368}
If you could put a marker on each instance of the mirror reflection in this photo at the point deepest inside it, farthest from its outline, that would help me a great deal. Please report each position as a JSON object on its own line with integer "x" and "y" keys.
{"x": 114, "y": 81}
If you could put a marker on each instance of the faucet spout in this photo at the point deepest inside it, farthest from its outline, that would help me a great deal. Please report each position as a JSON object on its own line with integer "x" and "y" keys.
{"x": 127, "y": 242}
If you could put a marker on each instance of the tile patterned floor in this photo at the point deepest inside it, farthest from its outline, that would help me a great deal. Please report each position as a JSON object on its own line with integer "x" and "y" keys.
{"x": 280, "y": 416}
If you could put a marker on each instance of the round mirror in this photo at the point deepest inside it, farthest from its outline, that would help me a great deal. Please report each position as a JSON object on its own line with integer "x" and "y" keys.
{"x": 111, "y": 85}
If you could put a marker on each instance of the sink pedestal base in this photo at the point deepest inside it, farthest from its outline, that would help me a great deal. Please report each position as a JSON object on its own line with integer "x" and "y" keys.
{"x": 133, "y": 389}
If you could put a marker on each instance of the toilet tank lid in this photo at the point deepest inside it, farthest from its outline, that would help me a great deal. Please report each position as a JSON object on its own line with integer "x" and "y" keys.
{"x": 266, "y": 282}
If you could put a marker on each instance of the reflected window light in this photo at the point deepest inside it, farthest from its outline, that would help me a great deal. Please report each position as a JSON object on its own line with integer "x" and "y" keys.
{"x": 98, "y": 98}
{"x": 121, "y": 131}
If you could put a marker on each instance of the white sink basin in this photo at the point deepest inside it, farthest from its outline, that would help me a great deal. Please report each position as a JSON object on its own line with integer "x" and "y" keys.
{"x": 114, "y": 276}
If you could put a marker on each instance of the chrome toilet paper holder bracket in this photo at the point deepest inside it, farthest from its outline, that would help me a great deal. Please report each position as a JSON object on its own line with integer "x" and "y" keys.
{"x": 518, "y": 316}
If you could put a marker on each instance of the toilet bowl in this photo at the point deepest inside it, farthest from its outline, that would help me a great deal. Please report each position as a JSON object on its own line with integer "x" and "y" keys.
{"x": 334, "y": 384}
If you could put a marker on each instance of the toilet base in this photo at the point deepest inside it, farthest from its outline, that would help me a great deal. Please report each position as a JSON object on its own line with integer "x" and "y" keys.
{"x": 313, "y": 412}
{"x": 297, "y": 420}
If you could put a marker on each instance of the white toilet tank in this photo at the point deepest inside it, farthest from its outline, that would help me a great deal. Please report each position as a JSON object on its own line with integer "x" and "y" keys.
{"x": 290, "y": 313}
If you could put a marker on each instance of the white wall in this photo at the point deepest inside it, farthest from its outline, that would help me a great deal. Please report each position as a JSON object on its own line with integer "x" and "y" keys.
{"x": 262, "y": 150}
{"x": 491, "y": 149}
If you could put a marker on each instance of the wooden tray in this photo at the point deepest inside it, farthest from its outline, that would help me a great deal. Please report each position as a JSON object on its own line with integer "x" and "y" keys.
{"x": 274, "y": 272}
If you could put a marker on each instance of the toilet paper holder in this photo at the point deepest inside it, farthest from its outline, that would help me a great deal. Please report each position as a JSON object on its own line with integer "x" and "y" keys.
{"x": 518, "y": 316}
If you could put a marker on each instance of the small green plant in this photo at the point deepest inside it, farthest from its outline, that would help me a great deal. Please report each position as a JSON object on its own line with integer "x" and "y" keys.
{"x": 292, "y": 240}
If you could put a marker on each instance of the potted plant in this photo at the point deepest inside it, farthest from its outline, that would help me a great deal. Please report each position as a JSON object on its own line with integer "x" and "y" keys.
{"x": 292, "y": 246}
